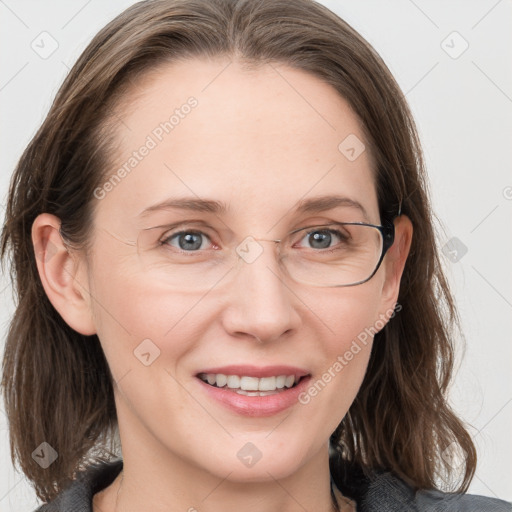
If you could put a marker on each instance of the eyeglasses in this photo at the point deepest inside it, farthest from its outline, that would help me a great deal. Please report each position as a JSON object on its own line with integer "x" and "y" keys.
{"x": 328, "y": 255}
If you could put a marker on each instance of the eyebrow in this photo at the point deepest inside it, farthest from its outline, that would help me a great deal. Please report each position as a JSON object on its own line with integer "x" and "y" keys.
{"x": 329, "y": 202}
{"x": 187, "y": 203}
{"x": 312, "y": 205}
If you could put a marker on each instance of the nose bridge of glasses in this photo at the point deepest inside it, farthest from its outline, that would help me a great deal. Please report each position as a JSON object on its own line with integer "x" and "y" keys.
{"x": 250, "y": 249}
{"x": 267, "y": 240}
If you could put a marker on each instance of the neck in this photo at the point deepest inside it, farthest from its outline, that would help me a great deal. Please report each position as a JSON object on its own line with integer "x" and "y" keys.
{"x": 153, "y": 478}
{"x": 162, "y": 484}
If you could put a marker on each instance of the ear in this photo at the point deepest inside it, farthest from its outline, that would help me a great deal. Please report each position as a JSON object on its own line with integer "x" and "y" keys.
{"x": 62, "y": 274}
{"x": 394, "y": 261}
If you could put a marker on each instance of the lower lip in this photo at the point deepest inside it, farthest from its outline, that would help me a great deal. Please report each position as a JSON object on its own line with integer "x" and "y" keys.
{"x": 256, "y": 405}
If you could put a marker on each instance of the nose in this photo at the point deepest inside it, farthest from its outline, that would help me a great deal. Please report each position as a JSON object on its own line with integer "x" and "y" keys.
{"x": 261, "y": 303}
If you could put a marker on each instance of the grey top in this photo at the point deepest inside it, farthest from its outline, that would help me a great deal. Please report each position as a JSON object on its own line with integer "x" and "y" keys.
{"x": 382, "y": 493}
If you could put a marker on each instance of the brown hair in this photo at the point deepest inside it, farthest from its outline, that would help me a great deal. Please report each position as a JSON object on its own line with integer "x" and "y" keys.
{"x": 56, "y": 383}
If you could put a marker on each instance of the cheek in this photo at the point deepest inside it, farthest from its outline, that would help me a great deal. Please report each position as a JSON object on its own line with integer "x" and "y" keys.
{"x": 350, "y": 318}
{"x": 147, "y": 331}
{"x": 348, "y": 313}
{"x": 130, "y": 309}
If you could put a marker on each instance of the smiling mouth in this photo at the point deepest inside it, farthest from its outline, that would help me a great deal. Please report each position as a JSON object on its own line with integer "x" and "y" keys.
{"x": 251, "y": 386}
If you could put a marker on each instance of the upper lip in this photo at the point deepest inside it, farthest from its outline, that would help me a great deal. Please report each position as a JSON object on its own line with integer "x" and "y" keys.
{"x": 257, "y": 371}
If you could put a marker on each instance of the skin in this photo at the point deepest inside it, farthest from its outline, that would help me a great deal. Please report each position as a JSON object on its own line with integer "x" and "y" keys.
{"x": 259, "y": 140}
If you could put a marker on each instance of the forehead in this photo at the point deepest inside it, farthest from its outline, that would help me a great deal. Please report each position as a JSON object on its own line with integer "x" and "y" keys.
{"x": 258, "y": 139}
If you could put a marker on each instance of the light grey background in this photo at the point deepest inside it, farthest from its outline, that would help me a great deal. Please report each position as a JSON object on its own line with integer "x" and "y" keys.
{"x": 463, "y": 105}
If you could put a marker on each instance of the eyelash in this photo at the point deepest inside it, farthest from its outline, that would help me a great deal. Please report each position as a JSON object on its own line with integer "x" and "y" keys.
{"x": 168, "y": 237}
{"x": 165, "y": 240}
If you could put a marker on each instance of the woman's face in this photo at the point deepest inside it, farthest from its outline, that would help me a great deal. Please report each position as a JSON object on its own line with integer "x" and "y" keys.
{"x": 261, "y": 142}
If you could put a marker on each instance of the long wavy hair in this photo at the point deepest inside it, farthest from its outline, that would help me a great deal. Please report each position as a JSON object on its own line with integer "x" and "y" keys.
{"x": 56, "y": 382}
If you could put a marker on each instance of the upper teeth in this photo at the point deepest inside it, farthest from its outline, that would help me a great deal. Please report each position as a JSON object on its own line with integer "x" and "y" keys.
{"x": 249, "y": 383}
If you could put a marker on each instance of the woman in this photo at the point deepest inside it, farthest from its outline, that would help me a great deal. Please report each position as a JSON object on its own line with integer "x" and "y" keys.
{"x": 224, "y": 257}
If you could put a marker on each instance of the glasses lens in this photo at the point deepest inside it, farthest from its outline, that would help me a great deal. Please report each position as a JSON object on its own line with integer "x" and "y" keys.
{"x": 184, "y": 259}
{"x": 333, "y": 255}
{"x": 327, "y": 255}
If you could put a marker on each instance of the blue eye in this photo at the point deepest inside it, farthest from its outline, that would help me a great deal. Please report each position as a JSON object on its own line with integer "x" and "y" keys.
{"x": 187, "y": 240}
{"x": 322, "y": 239}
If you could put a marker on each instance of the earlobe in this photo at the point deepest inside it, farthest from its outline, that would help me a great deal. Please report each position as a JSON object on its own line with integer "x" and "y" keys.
{"x": 61, "y": 274}
{"x": 396, "y": 257}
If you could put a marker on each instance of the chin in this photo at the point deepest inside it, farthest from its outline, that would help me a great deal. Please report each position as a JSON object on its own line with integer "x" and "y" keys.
{"x": 259, "y": 460}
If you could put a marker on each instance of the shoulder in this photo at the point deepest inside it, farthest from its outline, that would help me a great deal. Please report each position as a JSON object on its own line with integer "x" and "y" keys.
{"x": 77, "y": 497}
{"x": 385, "y": 492}
{"x": 398, "y": 496}
{"x": 436, "y": 501}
